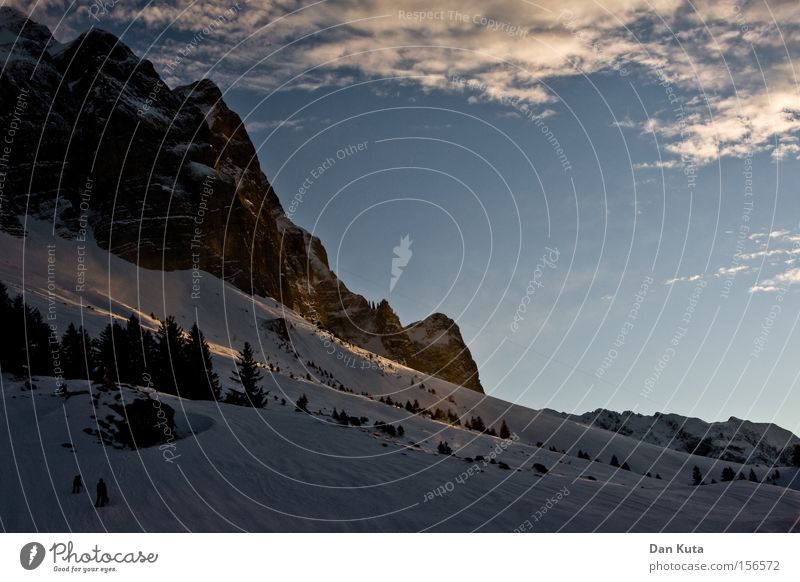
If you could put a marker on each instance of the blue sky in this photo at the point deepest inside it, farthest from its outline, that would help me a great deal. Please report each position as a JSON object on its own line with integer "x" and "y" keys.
{"x": 672, "y": 197}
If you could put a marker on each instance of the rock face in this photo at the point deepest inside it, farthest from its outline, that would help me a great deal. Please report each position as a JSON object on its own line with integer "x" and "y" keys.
{"x": 169, "y": 179}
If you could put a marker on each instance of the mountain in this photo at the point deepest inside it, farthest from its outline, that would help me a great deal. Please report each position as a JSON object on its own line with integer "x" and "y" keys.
{"x": 120, "y": 196}
{"x": 221, "y": 467}
{"x": 168, "y": 179}
{"x": 735, "y": 440}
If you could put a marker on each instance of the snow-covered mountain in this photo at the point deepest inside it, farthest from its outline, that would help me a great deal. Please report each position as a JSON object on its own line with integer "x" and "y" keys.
{"x": 98, "y": 218}
{"x": 736, "y": 440}
{"x": 230, "y": 468}
{"x": 169, "y": 179}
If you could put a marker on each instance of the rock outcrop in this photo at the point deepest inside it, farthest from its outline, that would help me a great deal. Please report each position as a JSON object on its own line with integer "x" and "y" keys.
{"x": 168, "y": 178}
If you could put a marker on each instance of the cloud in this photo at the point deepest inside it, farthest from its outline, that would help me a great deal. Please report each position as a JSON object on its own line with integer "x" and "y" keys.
{"x": 780, "y": 281}
{"x": 259, "y": 126}
{"x": 689, "y": 278}
{"x": 657, "y": 165}
{"x": 728, "y": 85}
{"x": 786, "y": 150}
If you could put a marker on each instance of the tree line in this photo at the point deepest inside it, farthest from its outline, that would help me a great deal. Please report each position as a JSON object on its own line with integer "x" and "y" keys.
{"x": 170, "y": 359}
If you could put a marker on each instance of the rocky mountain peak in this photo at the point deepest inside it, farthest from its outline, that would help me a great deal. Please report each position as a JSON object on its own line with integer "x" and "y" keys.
{"x": 16, "y": 27}
{"x": 159, "y": 159}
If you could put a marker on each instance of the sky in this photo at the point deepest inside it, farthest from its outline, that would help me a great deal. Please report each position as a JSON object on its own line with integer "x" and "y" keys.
{"x": 603, "y": 195}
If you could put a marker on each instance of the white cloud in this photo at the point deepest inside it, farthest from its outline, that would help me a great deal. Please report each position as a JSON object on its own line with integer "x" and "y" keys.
{"x": 689, "y": 278}
{"x": 780, "y": 281}
{"x": 729, "y": 102}
{"x": 258, "y": 126}
{"x": 657, "y": 165}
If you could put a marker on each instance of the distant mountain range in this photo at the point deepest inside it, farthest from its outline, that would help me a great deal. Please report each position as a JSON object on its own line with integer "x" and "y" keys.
{"x": 734, "y": 440}
{"x": 169, "y": 179}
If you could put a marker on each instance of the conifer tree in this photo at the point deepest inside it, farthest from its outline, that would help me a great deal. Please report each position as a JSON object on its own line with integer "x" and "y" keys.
{"x": 169, "y": 365}
{"x": 504, "y": 432}
{"x": 9, "y": 340}
{"x": 141, "y": 351}
{"x": 29, "y": 340}
{"x": 201, "y": 382}
{"x": 476, "y": 424}
{"x": 614, "y": 461}
{"x": 106, "y": 356}
{"x": 728, "y": 474}
{"x": 76, "y": 345}
{"x": 248, "y": 376}
{"x": 302, "y": 403}
{"x": 697, "y": 476}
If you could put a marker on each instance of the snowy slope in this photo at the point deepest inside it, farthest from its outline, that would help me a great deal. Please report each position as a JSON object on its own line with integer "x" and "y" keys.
{"x": 280, "y": 470}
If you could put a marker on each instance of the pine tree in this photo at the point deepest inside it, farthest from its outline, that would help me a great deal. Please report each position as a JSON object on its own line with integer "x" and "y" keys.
{"x": 476, "y": 423}
{"x": 169, "y": 365}
{"x": 10, "y": 338}
{"x": 201, "y": 382}
{"x": 76, "y": 345}
{"x": 302, "y": 404}
{"x": 614, "y": 461}
{"x": 753, "y": 477}
{"x": 141, "y": 351}
{"x": 504, "y": 432}
{"x": 796, "y": 455}
{"x": 105, "y": 356}
{"x": 697, "y": 476}
{"x": 625, "y": 466}
{"x": 248, "y": 376}
{"x": 728, "y": 474}
{"x": 29, "y": 341}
